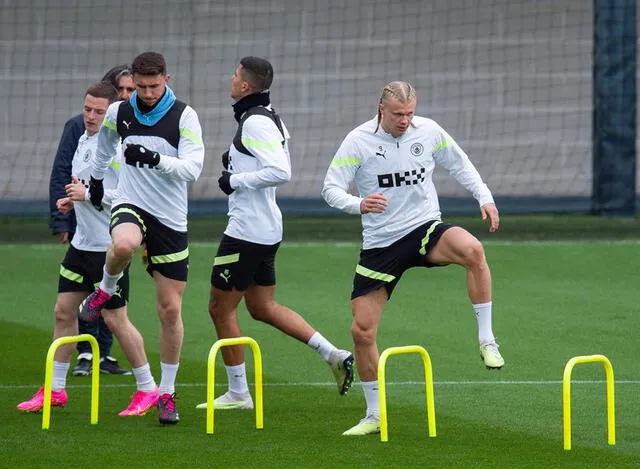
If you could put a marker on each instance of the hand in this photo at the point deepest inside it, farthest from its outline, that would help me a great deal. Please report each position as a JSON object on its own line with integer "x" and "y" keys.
{"x": 375, "y": 203}
{"x": 491, "y": 211}
{"x": 76, "y": 191}
{"x": 96, "y": 193}
{"x": 137, "y": 155}
{"x": 64, "y": 206}
{"x": 224, "y": 182}
{"x": 225, "y": 159}
{"x": 63, "y": 237}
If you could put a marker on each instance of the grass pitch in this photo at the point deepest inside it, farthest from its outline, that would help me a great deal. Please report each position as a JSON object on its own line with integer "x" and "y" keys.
{"x": 552, "y": 301}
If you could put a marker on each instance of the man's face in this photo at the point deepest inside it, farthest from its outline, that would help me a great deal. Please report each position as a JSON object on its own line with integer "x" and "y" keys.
{"x": 396, "y": 115}
{"x": 93, "y": 112}
{"x": 239, "y": 87}
{"x": 125, "y": 87}
{"x": 150, "y": 88}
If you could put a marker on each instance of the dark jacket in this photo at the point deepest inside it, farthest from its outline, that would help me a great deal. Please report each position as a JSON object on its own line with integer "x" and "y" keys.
{"x": 61, "y": 175}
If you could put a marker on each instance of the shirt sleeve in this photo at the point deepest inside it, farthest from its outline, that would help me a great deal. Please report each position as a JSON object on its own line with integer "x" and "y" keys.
{"x": 108, "y": 141}
{"x": 450, "y": 156}
{"x": 261, "y": 137}
{"x": 61, "y": 174}
{"x": 341, "y": 173}
{"x": 112, "y": 194}
{"x": 188, "y": 165}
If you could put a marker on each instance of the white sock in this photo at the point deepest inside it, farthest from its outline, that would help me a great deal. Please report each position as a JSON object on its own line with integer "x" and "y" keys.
{"x": 370, "y": 389}
{"x": 59, "y": 376}
{"x": 483, "y": 315}
{"x": 144, "y": 378}
{"x": 109, "y": 282}
{"x": 321, "y": 345}
{"x": 168, "y": 378}
{"x": 237, "y": 377}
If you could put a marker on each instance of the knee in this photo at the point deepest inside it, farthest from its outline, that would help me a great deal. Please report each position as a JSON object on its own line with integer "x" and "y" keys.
{"x": 474, "y": 254}
{"x": 64, "y": 315}
{"x": 169, "y": 313}
{"x": 123, "y": 249}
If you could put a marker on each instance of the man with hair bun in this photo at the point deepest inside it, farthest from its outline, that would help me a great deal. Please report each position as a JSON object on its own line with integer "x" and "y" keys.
{"x": 391, "y": 159}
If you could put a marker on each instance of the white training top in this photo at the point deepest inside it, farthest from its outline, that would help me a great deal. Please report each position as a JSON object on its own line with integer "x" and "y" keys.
{"x": 401, "y": 169}
{"x": 254, "y": 215}
{"x": 161, "y": 191}
{"x": 92, "y": 231}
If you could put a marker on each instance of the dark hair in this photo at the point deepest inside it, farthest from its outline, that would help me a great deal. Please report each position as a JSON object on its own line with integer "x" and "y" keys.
{"x": 103, "y": 89}
{"x": 113, "y": 75}
{"x": 257, "y": 72}
{"x": 149, "y": 63}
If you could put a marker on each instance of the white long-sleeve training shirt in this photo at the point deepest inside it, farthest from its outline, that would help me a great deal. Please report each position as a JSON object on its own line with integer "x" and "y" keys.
{"x": 254, "y": 215}
{"x": 161, "y": 191}
{"x": 401, "y": 169}
{"x": 92, "y": 231}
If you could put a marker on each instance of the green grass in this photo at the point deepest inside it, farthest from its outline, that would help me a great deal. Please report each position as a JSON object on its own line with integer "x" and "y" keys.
{"x": 552, "y": 301}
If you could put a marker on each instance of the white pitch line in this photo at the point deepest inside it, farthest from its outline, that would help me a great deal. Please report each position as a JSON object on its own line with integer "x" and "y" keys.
{"x": 332, "y": 384}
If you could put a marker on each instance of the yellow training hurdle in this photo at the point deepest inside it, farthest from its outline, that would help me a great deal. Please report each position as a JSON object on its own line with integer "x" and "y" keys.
{"x": 428, "y": 378}
{"x": 95, "y": 376}
{"x": 211, "y": 373}
{"x": 566, "y": 397}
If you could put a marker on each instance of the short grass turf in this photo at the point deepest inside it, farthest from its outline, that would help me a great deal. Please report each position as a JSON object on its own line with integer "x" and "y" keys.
{"x": 552, "y": 301}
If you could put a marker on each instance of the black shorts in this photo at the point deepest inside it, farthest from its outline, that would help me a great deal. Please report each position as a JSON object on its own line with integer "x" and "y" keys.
{"x": 167, "y": 250}
{"x": 383, "y": 267}
{"x": 239, "y": 264}
{"x": 82, "y": 271}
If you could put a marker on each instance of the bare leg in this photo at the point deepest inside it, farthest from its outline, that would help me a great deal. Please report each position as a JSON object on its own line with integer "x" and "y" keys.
{"x": 66, "y": 322}
{"x": 262, "y": 306}
{"x": 367, "y": 310}
{"x": 126, "y": 238}
{"x": 129, "y": 337}
{"x": 223, "y": 311}
{"x": 458, "y": 246}
{"x": 169, "y": 303}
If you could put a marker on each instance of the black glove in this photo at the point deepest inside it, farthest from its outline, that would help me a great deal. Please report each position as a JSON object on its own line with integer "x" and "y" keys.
{"x": 137, "y": 155}
{"x": 96, "y": 193}
{"x": 225, "y": 159}
{"x": 224, "y": 182}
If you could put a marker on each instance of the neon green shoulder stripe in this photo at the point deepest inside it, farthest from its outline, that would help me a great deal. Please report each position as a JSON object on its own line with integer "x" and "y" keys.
{"x": 109, "y": 125}
{"x": 345, "y": 161}
{"x": 191, "y": 135}
{"x": 444, "y": 144}
{"x": 261, "y": 145}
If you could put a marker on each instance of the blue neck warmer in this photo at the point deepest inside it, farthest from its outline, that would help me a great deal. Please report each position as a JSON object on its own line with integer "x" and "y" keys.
{"x": 158, "y": 111}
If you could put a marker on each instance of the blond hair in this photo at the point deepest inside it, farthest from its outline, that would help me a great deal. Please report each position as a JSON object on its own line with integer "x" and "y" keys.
{"x": 400, "y": 90}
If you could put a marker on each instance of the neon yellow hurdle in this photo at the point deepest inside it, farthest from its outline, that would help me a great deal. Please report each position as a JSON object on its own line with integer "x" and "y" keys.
{"x": 566, "y": 397}
{"x": 95, "y": 376}
{"x": 211, "y": 373}
{"x": 428, "y": 378}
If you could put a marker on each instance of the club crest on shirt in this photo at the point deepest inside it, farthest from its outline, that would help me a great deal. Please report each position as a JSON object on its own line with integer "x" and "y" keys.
{"x": 87, "y": 156}
{"x": 417, "y": 149}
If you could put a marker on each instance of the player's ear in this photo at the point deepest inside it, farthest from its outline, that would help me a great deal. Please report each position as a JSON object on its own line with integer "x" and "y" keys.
{"x": 167, "y": 78}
